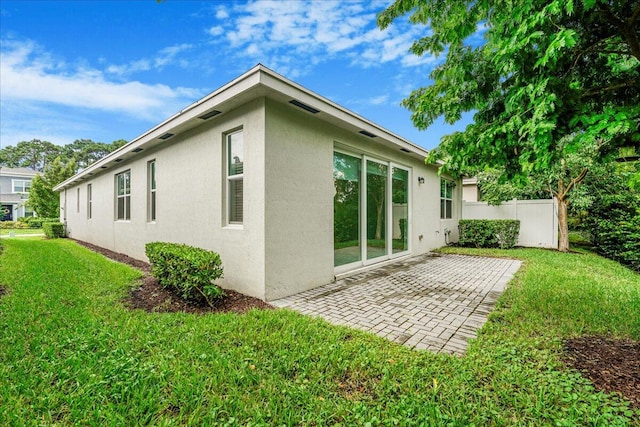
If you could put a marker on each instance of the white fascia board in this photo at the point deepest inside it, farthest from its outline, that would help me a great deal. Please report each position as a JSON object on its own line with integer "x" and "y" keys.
{"x": 257, "y": 76}
{"x": 222, "y": 94}
{"x": 285, "y": 86}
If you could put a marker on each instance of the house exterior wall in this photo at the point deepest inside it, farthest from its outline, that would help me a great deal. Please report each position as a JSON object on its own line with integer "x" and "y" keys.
{"x": 13, "y": 202}
{"x": 190, "y": 192}
{"x": 299, "y": 199}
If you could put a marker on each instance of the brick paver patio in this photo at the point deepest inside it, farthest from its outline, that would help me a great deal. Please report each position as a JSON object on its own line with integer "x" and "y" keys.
{"x": 431, "y": 302}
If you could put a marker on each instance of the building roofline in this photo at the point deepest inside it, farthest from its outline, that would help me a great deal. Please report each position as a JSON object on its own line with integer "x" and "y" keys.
{"x": 257, "y": 77}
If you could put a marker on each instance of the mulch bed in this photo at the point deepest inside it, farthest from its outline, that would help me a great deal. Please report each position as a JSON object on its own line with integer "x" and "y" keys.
{"x": 612, "y": 365}
{"x": 153, "y": 298}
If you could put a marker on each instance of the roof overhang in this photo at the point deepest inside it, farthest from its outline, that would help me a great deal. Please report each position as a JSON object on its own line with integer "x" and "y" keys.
{"x": 255, "y": 83}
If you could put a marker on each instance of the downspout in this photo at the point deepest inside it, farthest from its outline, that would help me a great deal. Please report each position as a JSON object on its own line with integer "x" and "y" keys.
{"x": 64, "y": 211}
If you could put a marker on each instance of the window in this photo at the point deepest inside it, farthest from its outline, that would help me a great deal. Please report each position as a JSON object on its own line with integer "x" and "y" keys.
{"x": 123, "y": 196}
{"x": 21, "y": 185}
{"x": 151, "y": 185}
{"x": 89, "y": 202}
{"x": 235, "y": 177}
{"x": 446, "y": 198}
{"x": 78, "y": 200}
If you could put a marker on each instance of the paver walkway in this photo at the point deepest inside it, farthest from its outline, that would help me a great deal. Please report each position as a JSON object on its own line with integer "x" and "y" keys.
{"x": 432, "y": 302}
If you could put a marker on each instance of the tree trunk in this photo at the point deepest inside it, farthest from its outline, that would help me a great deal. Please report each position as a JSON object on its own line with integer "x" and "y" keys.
{"x": 563, "y": 224}
{"x": 379, "y": 221}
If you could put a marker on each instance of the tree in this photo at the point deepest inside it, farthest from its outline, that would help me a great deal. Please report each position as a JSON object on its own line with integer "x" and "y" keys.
{"x": 34, "y": 154}
{"x": 555, "y": 86}
{"x": 42, "y": 198}
{"x": 86, "y": 151}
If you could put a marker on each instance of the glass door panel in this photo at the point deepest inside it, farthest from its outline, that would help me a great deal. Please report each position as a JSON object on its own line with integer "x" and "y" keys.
{"x": 346, "y": 209}
{"x": 400, "y": 210}
{"x": 376, "y": 218}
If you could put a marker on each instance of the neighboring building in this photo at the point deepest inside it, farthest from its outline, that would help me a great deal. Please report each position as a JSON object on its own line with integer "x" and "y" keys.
{"x": 470, "y": 190}
{"x": 15, "y": 184}
{"x": 290, "y": 188}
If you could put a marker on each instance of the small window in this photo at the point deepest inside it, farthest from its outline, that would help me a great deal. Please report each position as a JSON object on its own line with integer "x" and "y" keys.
{"x": 78, "y": 200}
{"x": 89, "y": 202}
{"x": 20, "y": 185}
{"x": 151, "y": 197}
{"x": 446, "y": 199}
{"x": 235, "y": 178}
{"x": 123, "y": 196}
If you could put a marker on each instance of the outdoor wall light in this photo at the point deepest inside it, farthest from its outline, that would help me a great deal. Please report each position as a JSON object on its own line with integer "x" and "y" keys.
{"x": 420, "y": 180}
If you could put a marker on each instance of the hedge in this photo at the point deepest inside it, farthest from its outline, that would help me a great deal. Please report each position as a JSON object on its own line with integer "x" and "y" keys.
{"x": 489, "y": 233}
{"x": 37, "y": 222}
{"x": 53, "y": 230}
{"x": 188, "y": 270}
{"x": 618, "y": 239}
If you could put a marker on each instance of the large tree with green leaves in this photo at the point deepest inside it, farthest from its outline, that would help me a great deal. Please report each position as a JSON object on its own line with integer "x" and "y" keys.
{"x": 554, "y": 86}
{"x": 42, "y": 198}
{"x": 34, "y": 154}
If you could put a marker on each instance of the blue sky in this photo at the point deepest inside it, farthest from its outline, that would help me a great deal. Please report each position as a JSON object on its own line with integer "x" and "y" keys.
{"x": 111, "y": 70}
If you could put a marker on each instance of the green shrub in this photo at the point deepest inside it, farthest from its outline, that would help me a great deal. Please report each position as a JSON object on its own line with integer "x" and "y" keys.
{"x": 188, "y": 270}
{"x": 618, "y": 239}
{"x": 36, "y": 221}
{"x": 5, "y": 225}
{"x": 489, "y": 233}
{"x": 53, "y": 230}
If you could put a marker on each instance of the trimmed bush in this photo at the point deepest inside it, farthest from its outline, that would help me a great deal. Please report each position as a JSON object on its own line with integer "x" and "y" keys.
{"x": 188, "y": 270}
{"x": 5, "y": 225}
{"x": 489, "y": 233}
{"x": 618, "y": 239}
{"x": 36, "y": 221}
{"x": 53, "y": 230}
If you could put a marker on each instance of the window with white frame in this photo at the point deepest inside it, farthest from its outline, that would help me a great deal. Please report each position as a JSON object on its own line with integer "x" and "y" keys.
{"x": 235, "y": 177}
{"x": 123, "y": 196}
{"x": 89, "y": 202}
{"x": 151, "y": 196}
{"x": 446, "y": 198}
{"x": 20, "y": 185}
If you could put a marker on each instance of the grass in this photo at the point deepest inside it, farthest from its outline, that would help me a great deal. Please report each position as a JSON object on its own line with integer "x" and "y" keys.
{"x": 71, "y": 354}
{"x": 23, "y": 231}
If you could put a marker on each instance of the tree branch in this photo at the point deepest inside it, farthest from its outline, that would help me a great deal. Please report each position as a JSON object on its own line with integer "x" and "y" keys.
{"x": 577, "y": 180}
{"x": 599, "y": 91}
{"x": 626, "y": 28}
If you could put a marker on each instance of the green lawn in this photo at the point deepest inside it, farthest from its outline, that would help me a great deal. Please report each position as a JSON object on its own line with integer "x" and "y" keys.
{"x": 71, "y": 354}
{"x": 17, "y": 231}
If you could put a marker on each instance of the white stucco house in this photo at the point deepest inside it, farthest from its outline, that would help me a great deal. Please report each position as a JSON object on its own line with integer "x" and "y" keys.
{"x": 291, "y": 189}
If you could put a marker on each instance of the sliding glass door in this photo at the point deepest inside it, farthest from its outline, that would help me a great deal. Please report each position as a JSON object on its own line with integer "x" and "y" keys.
{"x": 371, "y": 210}
{"x": 376, "y": 218}
{"x": 346, "y": 209}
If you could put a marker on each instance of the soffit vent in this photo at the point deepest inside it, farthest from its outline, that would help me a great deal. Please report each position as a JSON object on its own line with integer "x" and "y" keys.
{"x": 304, "y": 106}
{"x": 405, "y": 150}
{"x": 210, "y": 114}
{"x": 118, "y": 160}
{"x": 165, "y": 136}
{"x": 137, "y": 150}
{"x": 365, "y": 133}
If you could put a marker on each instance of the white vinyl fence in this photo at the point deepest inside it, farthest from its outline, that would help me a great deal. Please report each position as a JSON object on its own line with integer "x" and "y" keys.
{"x": 538, "y": 219}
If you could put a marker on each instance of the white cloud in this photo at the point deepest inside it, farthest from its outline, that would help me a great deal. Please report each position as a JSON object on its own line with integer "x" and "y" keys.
{"x": 163, "y": 58}
{"x": 215, "y": 31}
{"x": 378, "y": 100}
{"x": 309, "y": 32}
{"x": 32, "y": 80}
{"x": 221, "y": 13}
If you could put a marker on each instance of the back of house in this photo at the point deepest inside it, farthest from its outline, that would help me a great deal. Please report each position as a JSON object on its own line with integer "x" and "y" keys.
{"x": 288, "y": 187}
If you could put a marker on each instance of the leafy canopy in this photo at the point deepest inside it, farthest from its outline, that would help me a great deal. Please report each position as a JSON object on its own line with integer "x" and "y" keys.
{"x": 551, "y": 78}
{"x": 42, "y": 198}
